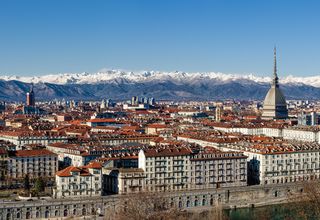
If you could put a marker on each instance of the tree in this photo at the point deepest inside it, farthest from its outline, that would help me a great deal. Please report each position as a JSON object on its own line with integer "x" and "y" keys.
{"x": 146, "y": 206}
{"x": 306, "y": 202}
{"x": 39, "y": 185}
{"x": 151, "y": 206}
{"x": 26, "y": 183}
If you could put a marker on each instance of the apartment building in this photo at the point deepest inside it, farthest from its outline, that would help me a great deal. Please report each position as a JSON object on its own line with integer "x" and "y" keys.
{"x": 35, "y": 163}
{"x": 79, "y": 181}
{"x": 280, "y": 162}
{"x": 166, "y": 168}
{"x": 303, "y": 133}
{"x": 124, "y": 180}
{"x": 215, "y": 169}
{"x": 177, "y": 168}
{"x": 21, "y": 139}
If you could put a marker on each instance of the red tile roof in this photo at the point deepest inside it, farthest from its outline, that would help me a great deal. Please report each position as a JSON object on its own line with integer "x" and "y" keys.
{"x": 67, "y": 171}
{"x": 33, "y": 153}
{"x": 168, "y": 152}
{"x": 83, "y": 171}
{"x": 157, "y": 126}
{"x": 102, "y": 120}
{"x": 94, "y": 165}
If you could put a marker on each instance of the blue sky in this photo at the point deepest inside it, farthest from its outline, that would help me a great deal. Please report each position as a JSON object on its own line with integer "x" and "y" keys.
{"x": 41, "y": 36}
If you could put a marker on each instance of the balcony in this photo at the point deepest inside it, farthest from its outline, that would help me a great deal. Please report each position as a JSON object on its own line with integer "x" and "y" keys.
{"x": 177, "y": 165}
{"x": 160, "y": 166}
{"x": 160, "y": 172}
{"x": 160, "y": 160}
{"x": 178, "y": 184}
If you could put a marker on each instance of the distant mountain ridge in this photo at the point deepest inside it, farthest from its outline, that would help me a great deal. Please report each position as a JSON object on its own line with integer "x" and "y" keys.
{"x": 106, "y": 76}
{"x": 120, "y": 85}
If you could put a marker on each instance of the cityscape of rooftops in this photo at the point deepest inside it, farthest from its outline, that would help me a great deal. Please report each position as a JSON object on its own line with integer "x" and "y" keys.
{"x": 159, "y": 110}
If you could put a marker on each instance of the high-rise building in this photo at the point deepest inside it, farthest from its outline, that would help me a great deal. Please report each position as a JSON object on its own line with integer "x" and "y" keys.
{"x": 30, "y": 97}
{"x": 274, "y": 105}
{"x": 218, "y": 113}
{"x": 134, "y": 100}
{"x": 311, "y": 118}
{"x": 103, "y": 104}
{"x": 151, "y": 101}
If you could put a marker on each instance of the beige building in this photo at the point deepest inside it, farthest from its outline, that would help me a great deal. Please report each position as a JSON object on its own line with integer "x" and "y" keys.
{"x": 217, "y": 169}
{"x": 124, "y": 180}
{"x": 35, "y": 163}
{"x": 79, "y": 181}
{"x": 166, "y": 169}
{"x": 274, "y": 164}
{"x": 21, "y": 139}
{"x": 172, "y": 169}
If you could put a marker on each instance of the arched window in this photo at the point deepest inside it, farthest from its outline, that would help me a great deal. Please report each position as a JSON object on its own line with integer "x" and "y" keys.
{"x": 203, "y": 202}
{"x": 56, "y": 213}
{"x": 37, "y": 214}
{"x": 188, "y": 203}
{"x": 46, "y": 214}
{"x": 74, "y": 212}
{"x": 196, "y": 202}
{"x": 180, "y": 204}
{"x": 18, "y": 215}
{"x": 28, "y": 215}
{"x": 84, "y": 212}
{"x": 211, "y": 202}
{"x": 65, "y": 212}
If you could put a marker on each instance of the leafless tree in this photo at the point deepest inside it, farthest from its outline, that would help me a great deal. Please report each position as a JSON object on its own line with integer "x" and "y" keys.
{"x": 306, "y": 201}
{"x": 155, "y": 206}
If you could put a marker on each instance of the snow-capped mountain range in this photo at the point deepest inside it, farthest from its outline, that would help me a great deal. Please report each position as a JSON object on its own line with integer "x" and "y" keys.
{"x": 120, "y": 85}
{"x": 106, "y": 76}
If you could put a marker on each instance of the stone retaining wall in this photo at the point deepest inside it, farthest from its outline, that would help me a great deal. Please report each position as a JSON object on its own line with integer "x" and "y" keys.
{"x": 247, "y": 196}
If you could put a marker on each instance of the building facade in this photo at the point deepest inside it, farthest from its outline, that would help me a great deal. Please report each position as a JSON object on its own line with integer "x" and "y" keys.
{"x": 35, "y": 163}
{"x": 79, "y": 181}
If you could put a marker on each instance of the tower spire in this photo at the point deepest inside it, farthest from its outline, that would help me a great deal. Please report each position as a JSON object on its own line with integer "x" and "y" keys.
{"x": 275, "y": 76}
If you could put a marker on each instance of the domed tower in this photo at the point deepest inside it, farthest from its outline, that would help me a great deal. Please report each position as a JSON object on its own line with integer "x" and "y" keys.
{"x": 274, "y": 105}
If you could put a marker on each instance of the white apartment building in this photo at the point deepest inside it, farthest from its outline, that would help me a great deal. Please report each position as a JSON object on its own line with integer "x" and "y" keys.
{"x": 280, "y": 164}
{"x": 271, "y": 132}
{"x": 70, "y": 154}
{"x": 218, "y": 169}
{"x": 79, "y": 181}
{"x": 35, "y": 163}
{"x": 301, "y": 134}
{"x": 20, "y": 139}
{"x": 166, "y": 169}
{"x": 179, "y": 168}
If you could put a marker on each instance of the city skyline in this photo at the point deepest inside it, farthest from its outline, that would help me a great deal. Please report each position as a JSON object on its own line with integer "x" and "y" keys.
{"x": 40, "y": 38}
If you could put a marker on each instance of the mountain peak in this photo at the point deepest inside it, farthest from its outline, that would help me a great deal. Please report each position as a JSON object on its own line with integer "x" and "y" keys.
{"x": 106, "y": 76}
